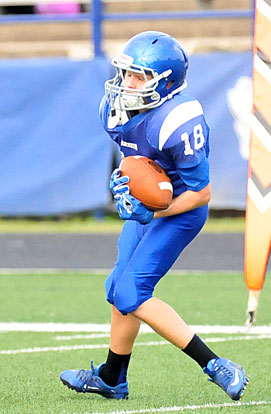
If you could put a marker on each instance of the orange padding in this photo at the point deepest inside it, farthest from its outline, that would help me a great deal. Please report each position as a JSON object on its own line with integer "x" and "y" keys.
{"x": 257, "y": 245}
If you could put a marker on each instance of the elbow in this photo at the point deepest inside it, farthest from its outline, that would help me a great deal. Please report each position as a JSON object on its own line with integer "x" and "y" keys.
{"x": 208, "y": 199}
{"x": 206, "y": 194}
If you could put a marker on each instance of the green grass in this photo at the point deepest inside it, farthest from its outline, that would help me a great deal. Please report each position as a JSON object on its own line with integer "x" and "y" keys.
{"x": 110, "y": 224}
{"x": 159, "y": 376}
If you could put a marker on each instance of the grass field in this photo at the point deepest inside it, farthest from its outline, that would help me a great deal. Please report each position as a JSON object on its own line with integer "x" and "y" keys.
{"x": 109, "y": 224}
{"x": 162, "y": 379}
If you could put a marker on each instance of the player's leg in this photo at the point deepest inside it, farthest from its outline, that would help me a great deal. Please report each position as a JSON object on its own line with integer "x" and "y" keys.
{"x": 110, "y": 378}
{"x": 155, "y": 254}
{"x": 166, "y": 322}
{"x": 162, "y": 241}
{"x": 124, "y": 330}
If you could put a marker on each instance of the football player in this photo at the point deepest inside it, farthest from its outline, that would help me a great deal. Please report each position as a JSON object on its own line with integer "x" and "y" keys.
{"x": 146, "y": 112}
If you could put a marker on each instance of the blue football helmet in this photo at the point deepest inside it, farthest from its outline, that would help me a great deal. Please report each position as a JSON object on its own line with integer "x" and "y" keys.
{"x": 162, "y": 61}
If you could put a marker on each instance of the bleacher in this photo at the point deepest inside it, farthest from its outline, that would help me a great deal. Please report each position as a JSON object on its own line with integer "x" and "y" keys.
{"x": 73, "y": 39}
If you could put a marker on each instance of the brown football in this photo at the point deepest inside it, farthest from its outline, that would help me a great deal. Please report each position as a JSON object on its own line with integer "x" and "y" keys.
{"x": 148, "y": 182}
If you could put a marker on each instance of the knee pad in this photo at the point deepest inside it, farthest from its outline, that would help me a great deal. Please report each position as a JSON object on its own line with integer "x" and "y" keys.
{"x": 109, "y": 288}
{"x": 130, "y": 293}
{"x": 125, "y": 294}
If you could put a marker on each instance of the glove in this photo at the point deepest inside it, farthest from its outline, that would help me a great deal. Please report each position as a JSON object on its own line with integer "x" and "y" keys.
{"x": 117, "y": 183}
{"x": 129, "y": 208}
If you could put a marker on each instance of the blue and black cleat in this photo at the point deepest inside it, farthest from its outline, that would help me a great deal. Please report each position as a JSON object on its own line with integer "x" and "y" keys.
{"x": 84, "y": 380}
{"x": 227, "y": 375}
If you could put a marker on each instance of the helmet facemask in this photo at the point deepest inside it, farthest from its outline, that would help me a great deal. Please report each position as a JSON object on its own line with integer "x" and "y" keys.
{"x": 126, "y": 99}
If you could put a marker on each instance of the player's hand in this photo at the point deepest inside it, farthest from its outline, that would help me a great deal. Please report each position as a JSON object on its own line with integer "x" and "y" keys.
{"x": 118, "y": 184}
{"x": 129, "y": 208}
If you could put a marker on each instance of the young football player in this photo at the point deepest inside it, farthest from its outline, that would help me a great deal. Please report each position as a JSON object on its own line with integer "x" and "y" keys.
{"x": 146, "y": 112}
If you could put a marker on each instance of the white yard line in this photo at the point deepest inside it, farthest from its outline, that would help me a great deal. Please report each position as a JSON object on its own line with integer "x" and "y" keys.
{"x": 102, "y": 331}
{"x": 72, "y": 348}
{"x": 88, "y": 336}
{"x": 215, "y": 339}
{"x": 64, "y": 348}
{"x": 238, "y": 338}
{"x": 105, "y": 328}
{"x": 180, "y": 408}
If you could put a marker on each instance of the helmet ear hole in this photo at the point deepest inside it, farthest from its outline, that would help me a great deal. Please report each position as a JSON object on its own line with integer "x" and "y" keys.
{"x": 170, "y": 84}
{"x": 148, "y": 72}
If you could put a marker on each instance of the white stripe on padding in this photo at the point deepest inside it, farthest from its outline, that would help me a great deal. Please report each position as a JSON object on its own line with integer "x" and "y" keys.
{"x": 261, "y": 133}
{"x": 262, "y": 68}
{"x": 177, "y": 117}
{"x": 264, "y": 8}
{"x": 262, "y": 203}
{"x": 165, "y": 186}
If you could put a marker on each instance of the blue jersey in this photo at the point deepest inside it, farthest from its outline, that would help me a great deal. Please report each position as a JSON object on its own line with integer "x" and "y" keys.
{"x": 175, "y": 135}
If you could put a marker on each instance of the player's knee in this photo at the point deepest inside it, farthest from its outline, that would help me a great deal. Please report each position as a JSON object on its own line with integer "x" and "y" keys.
{"x": 115, "y": 311}
{"x": 129, "y": 303}
{"x": 109, "y": 288}
{"x": 125, "y": 301}
{"x": 131, "y": 291}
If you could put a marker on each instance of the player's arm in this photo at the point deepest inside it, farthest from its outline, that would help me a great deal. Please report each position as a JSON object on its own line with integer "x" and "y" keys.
{"x": 198, "y": 190}
{"x": 186, "y": 201}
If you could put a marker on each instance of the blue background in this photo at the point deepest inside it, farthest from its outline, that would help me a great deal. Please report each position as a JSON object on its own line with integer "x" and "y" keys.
{"x": 55, "y": 156}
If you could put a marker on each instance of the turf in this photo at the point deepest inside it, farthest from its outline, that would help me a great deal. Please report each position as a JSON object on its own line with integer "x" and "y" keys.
{"x": 109, "y": 224}
{"x": 159, "y": 376}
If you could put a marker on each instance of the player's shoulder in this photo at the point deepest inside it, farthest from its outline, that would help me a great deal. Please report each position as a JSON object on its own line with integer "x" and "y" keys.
{"x": 182, "y": 103}
{"x": 175, "y": 116}
{"x": 104, "y": 110}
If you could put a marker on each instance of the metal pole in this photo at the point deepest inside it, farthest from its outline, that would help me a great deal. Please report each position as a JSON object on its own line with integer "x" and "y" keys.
{"x": 97, "y": 18}
{"x": 253, "y": 8}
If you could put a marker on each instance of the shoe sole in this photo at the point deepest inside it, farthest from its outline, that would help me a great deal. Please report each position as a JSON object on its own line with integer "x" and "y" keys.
{"x": 71, "y": 387}
{"x": 241, "y": 393}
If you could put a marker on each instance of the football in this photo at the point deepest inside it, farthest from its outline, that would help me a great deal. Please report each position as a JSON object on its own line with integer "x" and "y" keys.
{"x": 148, "y": 182}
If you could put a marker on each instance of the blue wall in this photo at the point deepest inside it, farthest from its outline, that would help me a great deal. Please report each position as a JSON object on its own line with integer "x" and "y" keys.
{"x": 55, "y": 156}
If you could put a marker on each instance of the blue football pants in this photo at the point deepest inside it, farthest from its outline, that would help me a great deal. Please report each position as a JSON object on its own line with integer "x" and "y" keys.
{"x": 146, "y": 253}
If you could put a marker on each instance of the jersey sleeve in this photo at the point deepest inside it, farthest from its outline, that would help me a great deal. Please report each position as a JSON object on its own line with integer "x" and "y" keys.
{"x": 185, "y": 134}
{"x": 196, "y": 178}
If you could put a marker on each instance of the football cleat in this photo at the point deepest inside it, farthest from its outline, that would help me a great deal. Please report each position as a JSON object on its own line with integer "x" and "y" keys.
{"x": 84, "y": 380}
{"x": 227, "y": 375}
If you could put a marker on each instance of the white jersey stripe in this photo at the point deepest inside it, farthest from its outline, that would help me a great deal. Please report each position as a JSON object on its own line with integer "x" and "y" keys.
{"x": 177, "y": 117}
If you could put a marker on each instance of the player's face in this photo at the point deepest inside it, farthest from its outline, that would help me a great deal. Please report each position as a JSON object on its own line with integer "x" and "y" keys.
{"x": 134, "y": 80}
